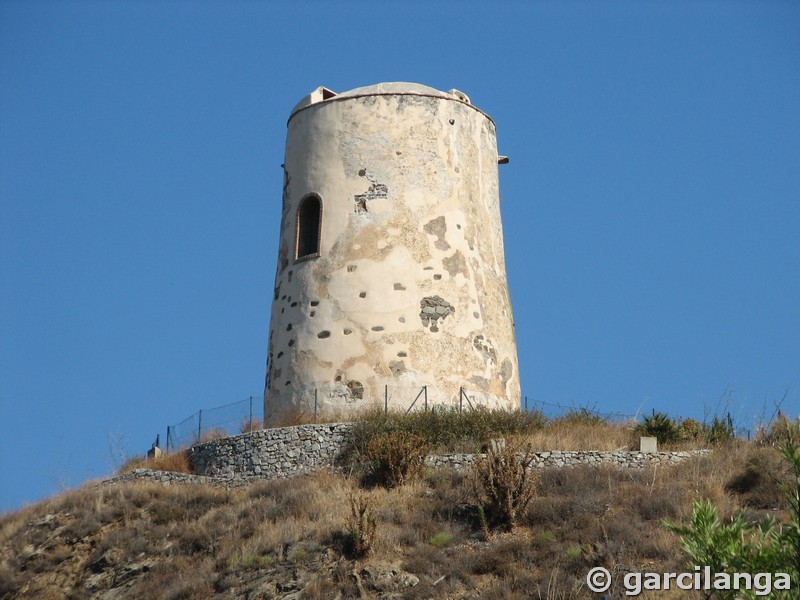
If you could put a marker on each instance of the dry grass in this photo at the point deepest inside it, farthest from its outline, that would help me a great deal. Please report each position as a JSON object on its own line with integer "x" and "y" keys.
{"x": 304, "y": 416}
{"x": 396, "y": 457}
{"x": 248, "y": 425}
{"x": 567, "y": 435}
{"x": 190, "y": 541}
{"x": 168, "y": 461}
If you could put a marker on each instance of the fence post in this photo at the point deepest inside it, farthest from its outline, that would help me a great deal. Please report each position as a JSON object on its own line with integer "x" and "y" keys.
{"x": 199, "y": 424}
{"x": 461, "y": 399}
{"x": 315, "y": 405}
{"x": 425, "y": 387}
{"x": 526, "y": 404}
{"x": 251, "y": 414}
{"x": 386, "y": 400}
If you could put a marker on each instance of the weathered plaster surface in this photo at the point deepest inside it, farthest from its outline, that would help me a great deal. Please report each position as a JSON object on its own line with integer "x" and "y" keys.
{"x": 409, "y": 288}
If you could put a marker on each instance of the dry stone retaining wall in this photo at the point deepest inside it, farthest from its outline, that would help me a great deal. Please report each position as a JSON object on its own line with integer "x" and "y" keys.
{"x": 559, "y": 459}
{"x": 271, "y": 453}
{"x": 303, "y": 449}
{"x": 164, "y": 477}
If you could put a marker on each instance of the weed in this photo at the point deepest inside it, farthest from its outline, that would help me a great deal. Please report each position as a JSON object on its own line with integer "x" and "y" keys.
{"x": 215, "y": 433}
{"x": 361, "y": 525}
{"x": 177, "y": 462}
{"x": 545, "y": 536}
{"x": 441, "y": 430}
{"x": 441, "y": 540}
{"x": 582, "y": 416}
{"x": 299, "y": 554}
{"x": 396, "y": 457}
{"x": 251, "y": 425}
{"x": 720, "y": 430}
{"x": 504, "y": 482}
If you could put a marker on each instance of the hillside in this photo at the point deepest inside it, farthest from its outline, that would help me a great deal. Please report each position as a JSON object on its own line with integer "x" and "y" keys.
{"x": 292, "y": 538}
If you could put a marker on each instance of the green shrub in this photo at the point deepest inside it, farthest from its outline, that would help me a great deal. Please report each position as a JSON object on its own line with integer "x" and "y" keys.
{"x": 443, "y": 430}
{"x": 661, "y": 427}
{"x": 691, "y": 430}
{"x": 582, "y": 416}
{"x": 744, "y": 547}
{"x": 720, "y": 430}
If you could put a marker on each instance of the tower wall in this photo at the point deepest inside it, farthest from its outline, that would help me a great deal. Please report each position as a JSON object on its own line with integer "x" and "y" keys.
{"x": 405, "y": 285}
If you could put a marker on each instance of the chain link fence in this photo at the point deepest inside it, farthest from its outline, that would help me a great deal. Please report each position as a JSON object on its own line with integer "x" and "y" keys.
{"x": 248, "y": 414}
{"x": 553, "y": 410}
{"x": 220, "y": 421}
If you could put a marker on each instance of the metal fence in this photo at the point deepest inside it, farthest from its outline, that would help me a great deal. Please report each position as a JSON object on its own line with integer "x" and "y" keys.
{"x": 327, "y": 400}
{"x": 554, "y": 410}
{"x": 220, "y": 421}
{"x": 248, "y": 414}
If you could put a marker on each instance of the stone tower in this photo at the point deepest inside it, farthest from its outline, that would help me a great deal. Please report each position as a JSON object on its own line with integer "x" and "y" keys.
{"x": 391, "y": 281}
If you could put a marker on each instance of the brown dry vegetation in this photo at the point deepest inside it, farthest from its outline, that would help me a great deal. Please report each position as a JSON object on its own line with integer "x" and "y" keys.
{"x": 168, "y": 461}
{"x": 274, "y": 539}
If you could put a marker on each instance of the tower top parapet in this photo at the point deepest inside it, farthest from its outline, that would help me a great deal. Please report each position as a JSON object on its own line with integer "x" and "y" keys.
{"x": 392, "y": 88}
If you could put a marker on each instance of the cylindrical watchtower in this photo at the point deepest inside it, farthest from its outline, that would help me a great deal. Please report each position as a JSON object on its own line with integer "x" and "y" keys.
{"x": 391, "y": 273}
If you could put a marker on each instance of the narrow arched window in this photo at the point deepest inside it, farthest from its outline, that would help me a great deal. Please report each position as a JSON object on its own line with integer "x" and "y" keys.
{"x": 309, "y": 227}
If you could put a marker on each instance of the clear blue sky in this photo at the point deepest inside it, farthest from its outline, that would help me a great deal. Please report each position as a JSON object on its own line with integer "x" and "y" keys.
{"x": 651, "y": 205}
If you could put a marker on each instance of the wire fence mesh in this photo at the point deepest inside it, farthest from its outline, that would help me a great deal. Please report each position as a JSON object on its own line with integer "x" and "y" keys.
{"x": 248, "y": 414}
{"x": 220, "y": 421}
{"x": 554, "y": 410}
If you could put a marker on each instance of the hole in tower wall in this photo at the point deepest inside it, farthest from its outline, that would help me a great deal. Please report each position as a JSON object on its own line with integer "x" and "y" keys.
{"x": 356, "y": 389}
{"x": 324, "y": 334}
{"x": 308, "y": 227}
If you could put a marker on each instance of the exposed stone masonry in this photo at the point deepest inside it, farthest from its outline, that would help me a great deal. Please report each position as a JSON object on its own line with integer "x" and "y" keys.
{"x": 433, "y": 308}
{"x": 290, "y": 451}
